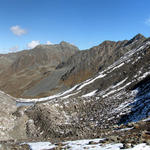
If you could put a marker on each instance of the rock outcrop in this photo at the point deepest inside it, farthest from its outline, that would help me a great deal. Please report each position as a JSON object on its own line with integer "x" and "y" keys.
{"x": 12, "y": 126}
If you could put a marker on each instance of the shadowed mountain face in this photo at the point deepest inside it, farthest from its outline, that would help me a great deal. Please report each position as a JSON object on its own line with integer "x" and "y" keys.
{"x": 21, "y": 70}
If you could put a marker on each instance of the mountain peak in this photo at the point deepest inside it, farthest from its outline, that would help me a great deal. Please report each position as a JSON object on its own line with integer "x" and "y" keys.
{"x": 108, "y": 42}
{"x": 138, "y": 37}
{"x": 64, "y": 43}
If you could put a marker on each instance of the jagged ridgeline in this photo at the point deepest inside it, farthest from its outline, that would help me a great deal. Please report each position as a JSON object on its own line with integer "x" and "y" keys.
{"x": 49, "y": 69}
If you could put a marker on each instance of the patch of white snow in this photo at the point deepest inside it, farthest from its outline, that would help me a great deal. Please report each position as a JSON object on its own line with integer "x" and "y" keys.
{"x": 90, "y": 94}
{"x": 40, "y": 145}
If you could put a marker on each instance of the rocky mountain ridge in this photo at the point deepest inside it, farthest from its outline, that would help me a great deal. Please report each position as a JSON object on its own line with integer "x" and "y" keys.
{"x": 21, "y": 70}
{"x": 47, "y": 70}
{"x": 83, "y": 65}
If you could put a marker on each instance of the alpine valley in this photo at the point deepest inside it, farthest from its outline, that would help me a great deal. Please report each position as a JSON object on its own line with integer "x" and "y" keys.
{"x": 56, "y": 97}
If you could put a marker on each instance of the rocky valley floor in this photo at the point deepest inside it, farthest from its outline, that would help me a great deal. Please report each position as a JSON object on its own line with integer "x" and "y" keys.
{"x": 134, "y": 136}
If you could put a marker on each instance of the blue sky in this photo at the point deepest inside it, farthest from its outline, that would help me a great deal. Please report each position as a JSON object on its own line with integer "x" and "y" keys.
{"x": 84, "y": 23}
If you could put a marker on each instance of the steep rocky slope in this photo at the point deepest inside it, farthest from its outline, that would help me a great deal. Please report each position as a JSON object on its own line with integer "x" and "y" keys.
{"x": 12, "y": 126}
{"x": 22, "y": 70}
{"x": 117, "y": 94}
{"x": 85, "y": 64}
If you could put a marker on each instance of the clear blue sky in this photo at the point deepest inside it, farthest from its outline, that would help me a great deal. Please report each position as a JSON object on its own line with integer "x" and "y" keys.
{"x": 85, "y": 23}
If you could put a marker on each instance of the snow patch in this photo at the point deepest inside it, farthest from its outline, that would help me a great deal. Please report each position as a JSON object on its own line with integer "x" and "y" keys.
{"x": 70, "y": 95}
{"x": 126, "y": 129}
{"x": 121, "y": 82}
{"x": 40, "y": 145}
{"x": 84, "y": 144}
{"x": 147, "y": 119}
{"x": 144, "y": 75}
{"x": 116, "y": 90}
{"x": 90, "y": 94}
{"x": 142, "y": 146}
{"x": 117, "y": 67}
{"x": 91, "y": 81}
